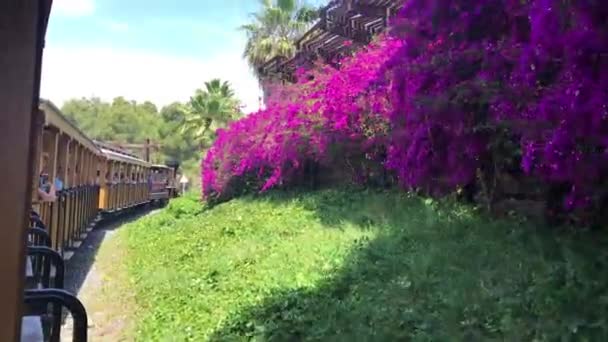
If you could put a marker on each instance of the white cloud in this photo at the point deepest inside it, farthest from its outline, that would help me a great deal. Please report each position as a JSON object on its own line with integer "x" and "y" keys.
{"x": 73, "y": 8}
{"x": 117, "y": 26}
{"x": 140, "y": 76}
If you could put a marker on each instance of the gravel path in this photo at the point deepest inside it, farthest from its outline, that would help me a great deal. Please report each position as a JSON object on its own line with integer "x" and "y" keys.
{"x": 96, "y": 274}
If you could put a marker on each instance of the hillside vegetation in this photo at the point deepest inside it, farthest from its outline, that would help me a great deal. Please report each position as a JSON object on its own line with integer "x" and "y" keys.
{"x": 360, "y": 265}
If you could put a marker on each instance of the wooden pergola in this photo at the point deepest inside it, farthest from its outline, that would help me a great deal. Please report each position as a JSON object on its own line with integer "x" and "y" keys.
{"x": 343, "y": 26}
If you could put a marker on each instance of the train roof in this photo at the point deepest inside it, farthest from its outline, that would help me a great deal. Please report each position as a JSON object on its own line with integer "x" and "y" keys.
{"x": 160, "y": 166}
{"x": 54, "y": 118}
{"x": 121, "y": 157}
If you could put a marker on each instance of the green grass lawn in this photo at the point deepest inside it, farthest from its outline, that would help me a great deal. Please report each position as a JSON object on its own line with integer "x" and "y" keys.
{"x": 348, "y": 265}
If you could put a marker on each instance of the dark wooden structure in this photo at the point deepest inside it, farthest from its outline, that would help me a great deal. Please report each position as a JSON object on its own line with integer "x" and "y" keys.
{"x": 22, "y": 29}
{"x": 343, "y": 26}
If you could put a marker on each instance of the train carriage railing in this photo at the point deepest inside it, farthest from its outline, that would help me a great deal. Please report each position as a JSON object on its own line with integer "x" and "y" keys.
{"x": 67, "y": 218}
{"x": 118, "y": 196}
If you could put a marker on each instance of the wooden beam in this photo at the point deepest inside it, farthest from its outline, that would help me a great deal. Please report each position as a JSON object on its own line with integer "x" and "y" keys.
{"x": 86, "y": 174}
{"x": 82, "y": 166}
{"x": 90, "y": 167}
{"x": 73, "y": 153}
{"x": 63, "y": 159}
{"x": 21, "y": 35}
{"x": 54, "y": 152}
{"x": 37, "y": 129}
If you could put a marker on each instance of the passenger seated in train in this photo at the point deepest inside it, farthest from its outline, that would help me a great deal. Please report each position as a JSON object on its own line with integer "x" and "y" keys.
{"x": 46, "y": 189}
{"x": 35, "y": 220}
{"x": 58, "y": 181}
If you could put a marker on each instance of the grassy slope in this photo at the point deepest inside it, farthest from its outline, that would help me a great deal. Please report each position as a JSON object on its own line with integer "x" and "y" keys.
{"x": 354, "y": 265}
{"x": 110, "y": 300}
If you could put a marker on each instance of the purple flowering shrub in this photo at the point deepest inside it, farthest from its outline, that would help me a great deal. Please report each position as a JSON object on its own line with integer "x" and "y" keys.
{"x": 330, "y": 116}
{"x": 559, "y": 90}
{"x": 459, "y": 91}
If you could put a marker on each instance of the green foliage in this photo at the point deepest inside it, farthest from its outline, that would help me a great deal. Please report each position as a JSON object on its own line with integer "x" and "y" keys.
{"x": 209, "y": 109}
{"x": 274, "y": 30}
{"x": 121, "y": 120}
{"x": 180, "y": 147}
{"x": 124, "y": 121}
{"x": 361, "y": 266}
{"x": 185, "y": 208}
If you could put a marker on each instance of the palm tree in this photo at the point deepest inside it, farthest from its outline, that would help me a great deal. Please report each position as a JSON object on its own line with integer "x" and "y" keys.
{"x": 274, "y": 30}
{"x": 209, "y": 109}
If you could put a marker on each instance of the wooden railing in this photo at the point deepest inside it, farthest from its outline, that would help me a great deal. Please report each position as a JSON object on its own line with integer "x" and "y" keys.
{"x": 69, "y": 216}
{"x": 125, "y": 195}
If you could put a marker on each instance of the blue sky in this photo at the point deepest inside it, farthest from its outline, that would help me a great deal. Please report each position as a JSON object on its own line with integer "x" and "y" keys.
{"x": 156, "y": 50}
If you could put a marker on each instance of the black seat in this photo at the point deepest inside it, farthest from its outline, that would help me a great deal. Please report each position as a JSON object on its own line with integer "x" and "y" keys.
{"x": 38, "y": 237}
{"x": 36, "y": 221}
{"x": 48, "y": 268}
{"x": 48, "y": 272}
{"x": 37, "y": 303}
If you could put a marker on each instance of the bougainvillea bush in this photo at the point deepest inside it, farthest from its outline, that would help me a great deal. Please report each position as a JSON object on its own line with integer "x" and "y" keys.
{"x": 330, "y": 117}
{"x": 458, "y": 91}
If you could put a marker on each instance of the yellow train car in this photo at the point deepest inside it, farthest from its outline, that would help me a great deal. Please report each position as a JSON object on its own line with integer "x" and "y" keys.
{"x": 66, "y": 186}
{"x": 123, "y": 181}
{"x": 80, "y": 181}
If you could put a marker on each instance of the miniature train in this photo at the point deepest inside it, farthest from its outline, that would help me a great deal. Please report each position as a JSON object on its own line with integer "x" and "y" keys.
{"x": 79, "y": 181}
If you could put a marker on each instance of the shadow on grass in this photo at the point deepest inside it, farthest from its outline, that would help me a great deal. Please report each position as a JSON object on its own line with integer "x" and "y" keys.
{"x": 81, "y": 263}
{"x": 437, "y": 272}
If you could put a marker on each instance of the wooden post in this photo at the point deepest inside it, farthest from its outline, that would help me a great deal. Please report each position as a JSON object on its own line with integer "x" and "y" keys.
{"x": 120, "y": 186}
{"x": 51, "y": 142}
{"x": 92, "y": 168}
{"x": 109, "y": 180}
{"x": 21, "y": 36}
{"x": 64, "y": 159}
{"x": 135, "y": 183}
{"x": 82, "y": 181}
{"x": 85, "y": 166}
{"x": 96, "y": 169}
{"x": 128, "y": 185}
{"x": 147, "y": 149}
{"x": 140, "y": 197}
{"x": 72, "y": 163}
{"x": 53, "y": 153}
{"x": 103, "y": 183}
{"x": 71, "y": 201}
{"x": 87, "y": 182}
{"x": 81, "y": 166}
{"x": 37, "y": 127}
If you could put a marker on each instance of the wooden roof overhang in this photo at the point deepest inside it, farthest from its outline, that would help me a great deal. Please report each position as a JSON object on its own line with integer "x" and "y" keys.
{"x": 123, "y": 158}
{"x": 160, "y": 166}
{"x": 341, "y": 21}
{"x": 54, "y": 118}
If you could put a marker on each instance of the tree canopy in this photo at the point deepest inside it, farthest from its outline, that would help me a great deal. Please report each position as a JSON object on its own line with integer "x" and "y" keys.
{"x": 129, "y": 122}
{"x": 210, "y": 108}
{"x": 274, "y": 29}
